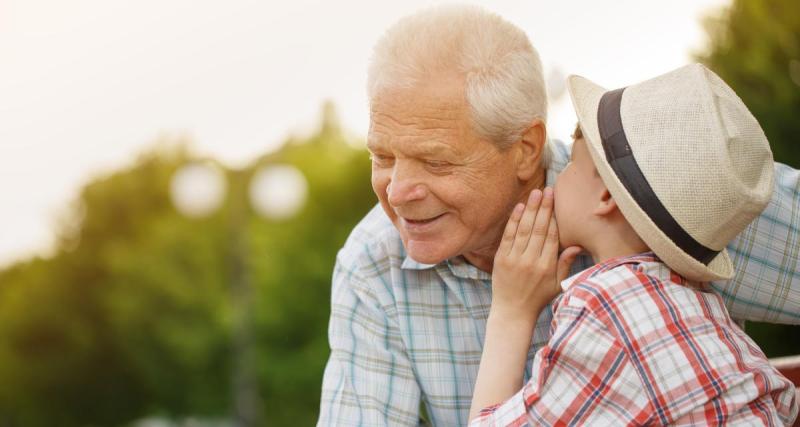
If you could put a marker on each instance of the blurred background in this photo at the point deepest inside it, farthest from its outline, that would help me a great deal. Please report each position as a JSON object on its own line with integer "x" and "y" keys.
{"x": 177, "y": 176}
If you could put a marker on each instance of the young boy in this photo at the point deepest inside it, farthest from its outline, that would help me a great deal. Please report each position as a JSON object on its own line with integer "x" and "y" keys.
{"x": 663, "y": 175}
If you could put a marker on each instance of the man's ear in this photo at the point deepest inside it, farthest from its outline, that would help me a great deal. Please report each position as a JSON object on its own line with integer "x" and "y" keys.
{"x": 530, "y": 148}
{"x": 606, "y": 205}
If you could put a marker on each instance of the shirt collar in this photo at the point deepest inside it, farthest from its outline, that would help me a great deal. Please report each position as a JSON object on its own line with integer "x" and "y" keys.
{"x": 410, "y": 264}
{"x": 458, "y": 266}
{"x": 569, "y": 281}
{"x": 608, "y": 265}
{"x": 461, "y": 268}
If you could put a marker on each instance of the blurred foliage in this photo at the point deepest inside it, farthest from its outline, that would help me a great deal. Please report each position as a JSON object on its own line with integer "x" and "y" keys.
{"x": 754, "y": 45}
{"x": 134, "y": 314}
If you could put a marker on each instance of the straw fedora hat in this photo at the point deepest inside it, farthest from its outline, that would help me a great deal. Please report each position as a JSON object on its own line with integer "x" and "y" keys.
{"x": 686, "y": 162}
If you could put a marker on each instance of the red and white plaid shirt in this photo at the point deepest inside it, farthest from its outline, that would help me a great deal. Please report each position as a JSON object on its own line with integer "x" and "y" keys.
{"x": 634, "y": 343}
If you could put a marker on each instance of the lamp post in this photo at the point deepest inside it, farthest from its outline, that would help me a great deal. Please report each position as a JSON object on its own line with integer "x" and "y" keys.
{"x": 275, "y": 192}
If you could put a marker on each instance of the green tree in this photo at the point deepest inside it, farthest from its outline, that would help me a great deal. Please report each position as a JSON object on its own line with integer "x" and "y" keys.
{"x": 754, "y": 45}
{"x": 135, "y": 313}
{"x": 71, "y": 324}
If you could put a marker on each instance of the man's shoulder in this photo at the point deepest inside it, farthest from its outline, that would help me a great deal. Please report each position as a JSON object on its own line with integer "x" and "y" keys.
{"x": 560, "y": 153}
{"x": 373, "y": 243}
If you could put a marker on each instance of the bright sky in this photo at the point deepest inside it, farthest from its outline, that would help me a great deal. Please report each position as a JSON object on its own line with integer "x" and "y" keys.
{"x": 85, "y": 85}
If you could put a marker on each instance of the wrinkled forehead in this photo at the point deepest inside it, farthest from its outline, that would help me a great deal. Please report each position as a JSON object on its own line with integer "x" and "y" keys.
{"x": 420, "y": 115}
{"x": 397, "y": 115}
{"x": 416, "y": 126}
{"x": 428, "y": 102}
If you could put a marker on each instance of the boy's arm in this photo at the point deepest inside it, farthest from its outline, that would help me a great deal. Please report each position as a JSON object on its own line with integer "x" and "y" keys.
{"x": 766, "y": 257}
{"x": 526, "y": 276}
{"x": 505, "y": 351}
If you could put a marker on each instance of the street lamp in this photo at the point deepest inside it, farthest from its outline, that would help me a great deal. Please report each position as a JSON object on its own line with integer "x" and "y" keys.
{"x": 197, "y": 189}
{"x": 276, "y": 192}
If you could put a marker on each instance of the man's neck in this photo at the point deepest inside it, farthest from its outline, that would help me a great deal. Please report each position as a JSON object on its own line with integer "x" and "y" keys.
{"x": 483, "y": 259}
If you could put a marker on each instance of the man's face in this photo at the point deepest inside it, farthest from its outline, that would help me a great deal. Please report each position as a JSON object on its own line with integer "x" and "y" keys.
{"x": 576, "y": 191}
{"x": 447, "y": 191}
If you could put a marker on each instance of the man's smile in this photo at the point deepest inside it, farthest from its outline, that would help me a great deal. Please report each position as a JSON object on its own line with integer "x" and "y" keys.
{"x": 420, "y": 224}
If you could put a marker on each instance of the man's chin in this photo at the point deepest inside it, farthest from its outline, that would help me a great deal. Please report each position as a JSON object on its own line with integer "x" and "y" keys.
{"x": 426, "y": 252}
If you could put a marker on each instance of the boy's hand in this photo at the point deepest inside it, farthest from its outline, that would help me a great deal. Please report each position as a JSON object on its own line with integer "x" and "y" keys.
{"x": 527, "y": 270}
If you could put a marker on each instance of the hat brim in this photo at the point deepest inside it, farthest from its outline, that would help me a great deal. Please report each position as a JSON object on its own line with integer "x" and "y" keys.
{"x": 585, "y": 97}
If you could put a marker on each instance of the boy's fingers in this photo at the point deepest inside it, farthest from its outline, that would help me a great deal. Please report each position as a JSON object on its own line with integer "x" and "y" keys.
{"x": 526, "y": 222}
{"x": 565, "y": 262}
{"x": 541, "y": 224}
{"x": 507, "y": 242}
{"x": 550, "y": 248}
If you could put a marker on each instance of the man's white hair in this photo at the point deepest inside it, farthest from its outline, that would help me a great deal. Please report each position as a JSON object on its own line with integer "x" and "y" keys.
{"x": 504, "y": 82}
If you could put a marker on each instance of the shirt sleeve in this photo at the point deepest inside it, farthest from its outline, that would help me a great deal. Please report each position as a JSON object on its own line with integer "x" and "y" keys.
{"x": 368, "y": 379}
{"x": 766, "y": 257}
{"x": 582, "y": 376}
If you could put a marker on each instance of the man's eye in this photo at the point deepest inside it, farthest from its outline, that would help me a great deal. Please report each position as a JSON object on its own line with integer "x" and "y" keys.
{"x": 380, "y": 159}
{"x": 437, "y": 164}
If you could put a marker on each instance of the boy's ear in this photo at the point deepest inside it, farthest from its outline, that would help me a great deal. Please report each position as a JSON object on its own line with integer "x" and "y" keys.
{"x": 606, "y": 205}
{"x": 530, "y": 148}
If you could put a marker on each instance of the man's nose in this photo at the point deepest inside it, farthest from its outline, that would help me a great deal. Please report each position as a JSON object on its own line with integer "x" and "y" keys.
{"x": 405, "y": 186}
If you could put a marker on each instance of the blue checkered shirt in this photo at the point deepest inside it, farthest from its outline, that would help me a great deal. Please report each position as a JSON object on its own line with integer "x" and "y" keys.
{"x": 404, "y": 334}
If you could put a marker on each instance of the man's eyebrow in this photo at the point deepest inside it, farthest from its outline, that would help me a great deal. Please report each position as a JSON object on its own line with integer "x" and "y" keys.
{"x": 372, "y": 146}
{"x": 433, "y": 149}
{"x": 419, "y": 149}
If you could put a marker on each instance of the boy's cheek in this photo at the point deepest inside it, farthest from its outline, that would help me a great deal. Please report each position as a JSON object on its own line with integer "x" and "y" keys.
{"x": 561, "y": 213}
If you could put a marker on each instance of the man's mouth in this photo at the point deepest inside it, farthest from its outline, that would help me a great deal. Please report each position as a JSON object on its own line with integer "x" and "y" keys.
{"x": 422, "y": 221}
{"x": 419, "y": 224}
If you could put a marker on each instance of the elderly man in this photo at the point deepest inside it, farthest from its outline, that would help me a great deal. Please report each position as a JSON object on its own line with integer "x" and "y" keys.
{"x": 457, "y": 138}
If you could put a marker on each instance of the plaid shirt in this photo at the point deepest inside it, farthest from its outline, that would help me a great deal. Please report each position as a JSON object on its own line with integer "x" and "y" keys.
{"x": 633, "y": 343}
{"x": 402, "y": 333}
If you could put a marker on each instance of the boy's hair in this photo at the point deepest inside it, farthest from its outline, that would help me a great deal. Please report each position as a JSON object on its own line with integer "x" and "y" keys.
{"x": 577, "y": 133}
